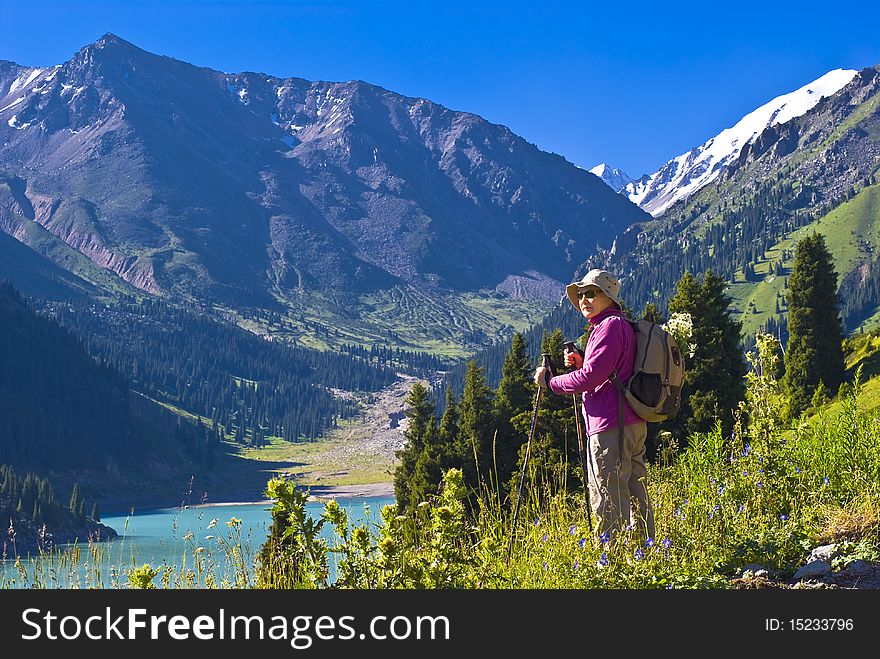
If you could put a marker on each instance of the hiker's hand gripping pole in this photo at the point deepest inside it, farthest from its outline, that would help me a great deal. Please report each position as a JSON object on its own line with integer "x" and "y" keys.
{"x": 545, "y": 363}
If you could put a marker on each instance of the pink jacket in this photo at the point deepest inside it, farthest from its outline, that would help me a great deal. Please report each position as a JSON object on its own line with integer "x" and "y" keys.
{"x": 611, "y": 346}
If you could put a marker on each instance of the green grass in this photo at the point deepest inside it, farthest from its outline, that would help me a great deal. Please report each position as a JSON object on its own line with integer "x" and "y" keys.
{"x": 852, "y": 235}
{"x": 765, "y": 496}
{"x": 450, "y": 325}
{"x": 328, "y": 462}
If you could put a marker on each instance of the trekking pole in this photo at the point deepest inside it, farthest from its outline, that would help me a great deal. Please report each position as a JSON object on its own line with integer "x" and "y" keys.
{"x": 545, "y": 362}
{"x": 570, "y": 347}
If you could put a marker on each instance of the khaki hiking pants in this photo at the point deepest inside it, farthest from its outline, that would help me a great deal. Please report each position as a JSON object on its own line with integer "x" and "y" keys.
{"x": 618, "y": 483}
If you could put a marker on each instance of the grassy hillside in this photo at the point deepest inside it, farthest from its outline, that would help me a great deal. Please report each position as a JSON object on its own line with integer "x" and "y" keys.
{"x": 449, "y": 325}
{"x": 852, "y": 234}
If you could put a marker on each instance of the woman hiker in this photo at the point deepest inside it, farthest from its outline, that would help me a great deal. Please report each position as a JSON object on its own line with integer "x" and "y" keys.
{"x": 617, "y": 480}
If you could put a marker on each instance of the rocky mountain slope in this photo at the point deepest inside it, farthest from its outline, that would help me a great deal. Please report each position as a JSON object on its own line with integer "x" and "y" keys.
{"x": 790, "y": 176}
{"x": 684, "y": 175}
{"x": 248, "y": 189}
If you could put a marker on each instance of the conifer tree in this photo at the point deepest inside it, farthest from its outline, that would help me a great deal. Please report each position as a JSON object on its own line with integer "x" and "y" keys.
{"x": 815, "y": 335}
{"x": 476, "y": 427}
{"x": 513, "y": 396}
{"x": 449, "y": 421}
{"x": 554, "y": 449}
{"x": 714, "y": 383}
{"x": 420, "y": 413}
{"x": 75, "y": 498}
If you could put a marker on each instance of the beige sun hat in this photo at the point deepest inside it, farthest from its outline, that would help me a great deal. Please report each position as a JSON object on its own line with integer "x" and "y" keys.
{"x": 601, "y": 279}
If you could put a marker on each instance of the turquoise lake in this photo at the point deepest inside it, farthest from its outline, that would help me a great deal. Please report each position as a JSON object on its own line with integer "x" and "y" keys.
{"x": 178, "y": 538}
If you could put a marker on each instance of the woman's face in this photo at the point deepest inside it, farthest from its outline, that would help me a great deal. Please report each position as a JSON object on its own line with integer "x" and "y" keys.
{"x": 592, "y": 301}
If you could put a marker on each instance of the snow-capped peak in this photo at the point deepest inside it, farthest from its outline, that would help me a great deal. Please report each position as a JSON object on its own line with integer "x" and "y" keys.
{"x": 615, "y": 178}
{"x": 684, "y": 175}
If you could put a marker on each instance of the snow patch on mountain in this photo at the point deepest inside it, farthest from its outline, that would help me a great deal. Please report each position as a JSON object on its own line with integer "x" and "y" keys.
{"x": 615, "y": 179}
{"x": 684, "y": 175}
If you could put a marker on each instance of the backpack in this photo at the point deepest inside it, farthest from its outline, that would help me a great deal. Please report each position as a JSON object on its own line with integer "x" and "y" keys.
{"x": 654, "y": 389}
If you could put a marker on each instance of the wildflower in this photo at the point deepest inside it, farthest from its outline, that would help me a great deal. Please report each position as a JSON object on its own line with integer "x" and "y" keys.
{"x": 797, "y": 470}
{"x": 605, "y": 537}
{"x": 582, "y": 542}
{"x": 603, "y": 559}
{"x": 721, "y": 489}
{"x": 783, "y": 517}
{"x": 667, "y": 543}
{"x": 639, "y": 554}
{"x": 747, "y": 449}
{"x": 649, "y": 543}
{"x": 544, "y": 538}
{"x": 572, "y": 529}
{"x": 576, "y": 564}
{"x": 740, "y": 508}
{"x": 630, "y": 526}
{"x": 679, "y": 514}
{"x": 825, "y": 481}
{"x": 537, "y": 521}
{"x": 213, "y": 523}
{"x": 759, "y": 485}
{"x": 545, "y": 566}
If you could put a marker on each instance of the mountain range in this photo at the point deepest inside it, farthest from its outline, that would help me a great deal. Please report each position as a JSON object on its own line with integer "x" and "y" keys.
{"x": 139, "y": 173}
{"x": 685, "y": 174}
{"x": 817, "y": 172}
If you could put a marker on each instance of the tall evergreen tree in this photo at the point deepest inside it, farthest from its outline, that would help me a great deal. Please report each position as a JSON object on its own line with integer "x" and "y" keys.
{"x": 420, "y": 413}
{"x": 513, "y": 396}
{"x": 815, "y": 334}
{"x": 714, "y": 381}
{"x": 476, "y": 428}
{"x": 449, "y": 420}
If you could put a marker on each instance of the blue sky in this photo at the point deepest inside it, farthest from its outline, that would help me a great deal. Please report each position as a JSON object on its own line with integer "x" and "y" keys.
{"x": 632, "y": 84}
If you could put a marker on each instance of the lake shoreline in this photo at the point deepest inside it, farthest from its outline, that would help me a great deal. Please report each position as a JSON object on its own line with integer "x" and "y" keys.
{"x": 242, "y": 498}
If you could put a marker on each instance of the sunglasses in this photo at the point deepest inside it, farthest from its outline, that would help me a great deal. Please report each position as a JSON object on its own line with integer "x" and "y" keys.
{"x": 589, "y": 294}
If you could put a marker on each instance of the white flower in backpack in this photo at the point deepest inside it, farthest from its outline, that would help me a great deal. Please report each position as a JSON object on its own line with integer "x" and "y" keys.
{"x": 681, "y": 327}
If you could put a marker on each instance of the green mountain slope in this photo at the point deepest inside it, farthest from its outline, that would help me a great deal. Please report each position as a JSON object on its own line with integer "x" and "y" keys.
{"x": 818, "y": 171}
